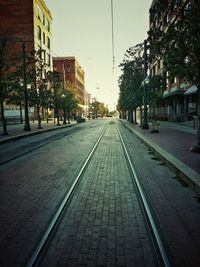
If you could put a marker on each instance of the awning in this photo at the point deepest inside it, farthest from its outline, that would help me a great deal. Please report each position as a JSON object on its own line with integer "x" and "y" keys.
{"x": 192, "y": 90}
{"x": 177, "y": 92}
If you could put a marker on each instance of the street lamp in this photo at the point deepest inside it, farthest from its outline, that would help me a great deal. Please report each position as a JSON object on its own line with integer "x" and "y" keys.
{"x": 146, "y": 82}
{"x": 26, "y": 124}
{"x": 26, "y": 116}
{"x": 64, "y": 109}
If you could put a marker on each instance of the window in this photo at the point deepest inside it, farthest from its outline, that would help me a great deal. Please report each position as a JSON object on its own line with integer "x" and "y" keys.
{"x": 39, "y": 12}
{"x": 44, "y": 56}
{"x": 48, "y": 59}
{"x": 43, "y": 19}
{"x": 40, "y": 52}
{"x": 39, "y": 33}
{"x": 48, "y": 25}
{"x": 44, "y": 38}
{"x": 48, "y": 42}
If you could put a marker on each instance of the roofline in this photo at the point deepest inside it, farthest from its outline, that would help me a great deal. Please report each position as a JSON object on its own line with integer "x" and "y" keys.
{"x": 44, "y": 5}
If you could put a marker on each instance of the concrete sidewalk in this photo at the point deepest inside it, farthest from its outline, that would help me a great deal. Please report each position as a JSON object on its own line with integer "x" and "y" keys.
{"x": 172, "y": 144}
{"x": 16, "y": 131}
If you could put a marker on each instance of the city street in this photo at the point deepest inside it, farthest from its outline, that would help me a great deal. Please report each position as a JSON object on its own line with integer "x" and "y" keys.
{"x": 99, "y": 133}
{"x": 104, "y": 223}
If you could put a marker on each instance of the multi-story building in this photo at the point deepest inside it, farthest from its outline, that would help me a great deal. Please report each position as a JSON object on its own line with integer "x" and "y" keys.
{"x": 179, "y": 97}
{"x": 42, "y": 30}
{"x": 28, "y": 23}
{"x": 72, "y": 75}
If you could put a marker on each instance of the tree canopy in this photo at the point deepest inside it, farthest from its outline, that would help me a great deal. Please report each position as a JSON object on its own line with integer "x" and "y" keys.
{"x": 130, "y": 82}
{"x": 179, "y": 45}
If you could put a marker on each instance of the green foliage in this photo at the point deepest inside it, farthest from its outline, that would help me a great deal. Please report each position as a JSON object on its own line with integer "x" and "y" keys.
{"x": 68, "y": 101}
{"x": 156, "y": 86}
{"x": 131, "y": 90}
{"x": 179, "y": 46}
{"x": 98, "y": 108}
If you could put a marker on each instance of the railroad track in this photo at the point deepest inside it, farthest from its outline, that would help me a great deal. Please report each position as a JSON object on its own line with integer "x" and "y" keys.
{"x": 160, "y": 250}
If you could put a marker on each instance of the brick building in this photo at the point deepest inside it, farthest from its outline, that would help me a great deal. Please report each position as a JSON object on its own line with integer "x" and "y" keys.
{"x": 72, "y": 74}
{"x": 179, "y": 98}
{"x": 26, "y": 22}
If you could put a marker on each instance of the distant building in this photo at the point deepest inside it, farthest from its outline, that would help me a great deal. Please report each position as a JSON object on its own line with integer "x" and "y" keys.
{"x": 72, "y": 75}
{"x": 87, "y": 103}
{"x": 179, "y": 98}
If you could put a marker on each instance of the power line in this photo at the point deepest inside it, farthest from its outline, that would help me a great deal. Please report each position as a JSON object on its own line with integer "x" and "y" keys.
{"x": 113, "y": 44}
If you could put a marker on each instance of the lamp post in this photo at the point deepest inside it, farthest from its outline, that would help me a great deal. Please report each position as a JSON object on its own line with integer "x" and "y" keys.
{"x": 64, "y": 109}
{"x": 146, "y": 82}
{"x": 27, "y": 123}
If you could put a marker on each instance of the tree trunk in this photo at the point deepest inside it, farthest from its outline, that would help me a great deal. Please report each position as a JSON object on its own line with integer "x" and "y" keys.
{"x": 141, "y": 116}
{"x": 58, "y": 116}
{"x": 47, "y": 114}
{"x": 39, "y": 117}
{"x": 4, "y": 122}
{"x": 54, "y": 116}
{"x": 68, "y": 117}
{"x": 64, "y": 116}
{"x": 130, "y": 116}
{"x": 20, "y": 110}
{"x": 124, "y": 115}
{"x": 135, "y": 115}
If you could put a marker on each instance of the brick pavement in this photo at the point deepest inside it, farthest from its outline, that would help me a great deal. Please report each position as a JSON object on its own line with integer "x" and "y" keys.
{"x": 16, "y": 131}
{"x": 103, "y": 225}
{"x": 173, "y": 144}
{"x": 31, "y": 188}
{"x": 175, "y": 204}
{"x": 104, "y": 222}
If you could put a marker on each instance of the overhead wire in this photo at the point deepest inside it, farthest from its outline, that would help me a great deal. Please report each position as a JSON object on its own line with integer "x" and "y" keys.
{"x": 113, "y": 43}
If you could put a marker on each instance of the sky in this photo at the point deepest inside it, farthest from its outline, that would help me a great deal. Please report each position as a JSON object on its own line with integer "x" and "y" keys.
{"x": 83, "y": 29}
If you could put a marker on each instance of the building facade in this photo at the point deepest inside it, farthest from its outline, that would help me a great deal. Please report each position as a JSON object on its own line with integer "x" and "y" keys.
{"x": 27, "y": 23}
{"x": 43, "y": 30}
{"x": 178, "y": 101}
{"x": 72, "y": 75}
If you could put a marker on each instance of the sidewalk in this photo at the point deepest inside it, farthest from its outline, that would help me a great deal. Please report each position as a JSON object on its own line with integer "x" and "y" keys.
{"x": 16, "y": 131}
{"x": 172, "y": 144}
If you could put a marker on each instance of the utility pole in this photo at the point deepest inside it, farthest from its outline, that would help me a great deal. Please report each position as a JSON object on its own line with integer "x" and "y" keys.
{"x": 26, "y": 124}
{"x": 145, "y": 122}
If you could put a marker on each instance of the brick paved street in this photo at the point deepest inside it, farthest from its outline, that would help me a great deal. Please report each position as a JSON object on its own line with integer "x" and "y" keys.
{"x": 176, "y": 206}
{"x": 103, "y": 225}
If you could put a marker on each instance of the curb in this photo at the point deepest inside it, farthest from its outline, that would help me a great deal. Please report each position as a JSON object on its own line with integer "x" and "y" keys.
{"x": 188, "y": 175}
{"x": 20, "y": 136}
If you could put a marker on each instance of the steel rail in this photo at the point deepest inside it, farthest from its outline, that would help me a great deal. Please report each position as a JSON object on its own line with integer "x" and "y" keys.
{"x": 59, "y": 212}
{"x": 152, "y": 224}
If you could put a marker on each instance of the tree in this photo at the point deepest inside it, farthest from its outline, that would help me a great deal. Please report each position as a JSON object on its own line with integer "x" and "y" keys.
{"x": 130, "y": 81}
{"x": 55, "y": 90}
{"x": 179, "y": 46}
{"x": 7, "y": 65}
{"x": 69, "y": 103}
{"x": 156, "y": 86}
{"x": 37, "y": 76}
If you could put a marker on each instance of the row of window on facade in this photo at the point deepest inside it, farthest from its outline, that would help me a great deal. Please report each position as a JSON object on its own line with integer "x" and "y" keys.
{"x": 46, "y": 57}
{"x": 42, "y": 37}
{"x": 169, "y": 14}
{"x": 41, "y": 16}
